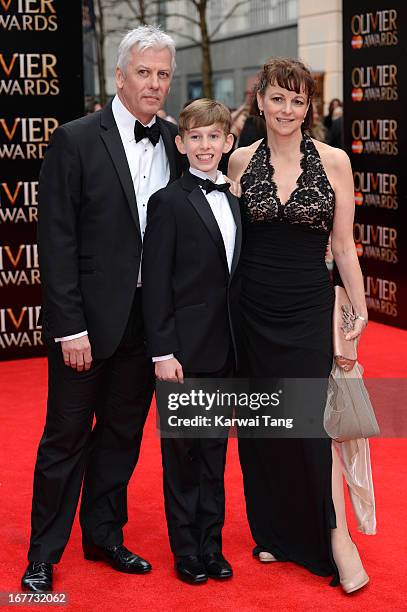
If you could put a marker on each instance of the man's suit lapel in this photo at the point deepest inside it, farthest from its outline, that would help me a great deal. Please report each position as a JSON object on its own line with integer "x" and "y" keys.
{"x": 235, "y": 208}
{"x": 169, "y": 145}
{"x": 202, "y": 207}
{"x": 111, "y": 137}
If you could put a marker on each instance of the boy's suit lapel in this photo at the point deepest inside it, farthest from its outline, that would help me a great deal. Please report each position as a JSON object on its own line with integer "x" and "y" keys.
{"x": 202, "y": 207}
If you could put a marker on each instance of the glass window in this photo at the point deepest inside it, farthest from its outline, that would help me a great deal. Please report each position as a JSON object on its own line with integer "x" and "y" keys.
{"x": 271, "y": 12}
{"x": 224, "y": 91}
{"x": 195, "y": 89}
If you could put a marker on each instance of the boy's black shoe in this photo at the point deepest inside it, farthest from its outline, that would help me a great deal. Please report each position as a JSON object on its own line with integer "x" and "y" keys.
{"x": 190, "y": 569}
{"x": 217, "y": 567}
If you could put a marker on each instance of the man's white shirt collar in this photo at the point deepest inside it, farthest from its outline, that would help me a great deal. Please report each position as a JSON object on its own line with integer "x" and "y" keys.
{"x": 125, "y": 120}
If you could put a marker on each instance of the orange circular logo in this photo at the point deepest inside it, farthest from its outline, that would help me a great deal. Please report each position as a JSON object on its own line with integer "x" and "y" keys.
{"x": 357, "y": 95}
{"x": 357, "y": 42}
{"x": 358, "y": 198}
{"x": 359, "y": 249}
{"x": 357, "y": 146}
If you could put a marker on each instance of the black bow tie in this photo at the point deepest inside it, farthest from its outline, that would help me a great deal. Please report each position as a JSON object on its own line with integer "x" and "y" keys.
{"x": 209, "y": 186}
{"x": 152, "y": 133}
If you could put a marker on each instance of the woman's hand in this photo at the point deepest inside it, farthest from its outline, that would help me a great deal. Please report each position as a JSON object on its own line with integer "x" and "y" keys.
{"x": 359, "y": 328}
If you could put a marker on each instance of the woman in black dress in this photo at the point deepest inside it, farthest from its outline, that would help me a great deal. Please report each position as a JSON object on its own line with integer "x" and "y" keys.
{"x": 295, "y": 191}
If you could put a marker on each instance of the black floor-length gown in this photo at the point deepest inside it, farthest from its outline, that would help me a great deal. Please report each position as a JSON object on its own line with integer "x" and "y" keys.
{"x": 286, "y": 309}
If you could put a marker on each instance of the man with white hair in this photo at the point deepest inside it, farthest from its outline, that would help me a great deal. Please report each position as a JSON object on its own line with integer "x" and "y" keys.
{"x": 95, "y": 182}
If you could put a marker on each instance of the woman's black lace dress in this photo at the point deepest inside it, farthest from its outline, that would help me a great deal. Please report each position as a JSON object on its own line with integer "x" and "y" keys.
{"x": 286, "y": 308}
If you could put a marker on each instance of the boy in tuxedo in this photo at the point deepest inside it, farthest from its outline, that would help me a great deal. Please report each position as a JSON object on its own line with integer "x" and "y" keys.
{"x": 191, "y": 248}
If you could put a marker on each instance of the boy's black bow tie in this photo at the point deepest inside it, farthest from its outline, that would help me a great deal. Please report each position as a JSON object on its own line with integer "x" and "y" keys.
{"x": 209, "y": 186}
{"x": 152, "y": 133}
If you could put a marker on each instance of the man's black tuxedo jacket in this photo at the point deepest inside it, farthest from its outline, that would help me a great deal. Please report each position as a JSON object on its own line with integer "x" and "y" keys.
{"x": 189, "y": 297}
{"x": 89, "y": 232}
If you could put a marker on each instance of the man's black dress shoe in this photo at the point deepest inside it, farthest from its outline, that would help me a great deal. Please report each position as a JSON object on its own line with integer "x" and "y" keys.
{"x": 217, "y": 567}
{"x": 119, "y": 557}
{"x": 190, "y": 569}
{"x": 37, "y": 577}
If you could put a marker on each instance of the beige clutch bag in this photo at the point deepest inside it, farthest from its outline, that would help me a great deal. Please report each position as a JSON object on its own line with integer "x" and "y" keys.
{"x": 343, "y": 322}
{"x": 349, "y": 413}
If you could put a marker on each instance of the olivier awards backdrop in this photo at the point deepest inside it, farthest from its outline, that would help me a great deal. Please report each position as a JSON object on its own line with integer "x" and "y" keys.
{"x": 40, "y": 88}
{"x": 375, "y": 94}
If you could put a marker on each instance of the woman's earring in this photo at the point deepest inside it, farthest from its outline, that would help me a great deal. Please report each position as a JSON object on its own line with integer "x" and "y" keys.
{"x": 261, "y": 112}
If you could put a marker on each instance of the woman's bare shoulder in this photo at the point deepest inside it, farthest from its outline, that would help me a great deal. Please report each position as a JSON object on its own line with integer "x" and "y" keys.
{"x": 332, "y": 158}
{"x": 336, "y": 164}
{"x": 240, "y": 159}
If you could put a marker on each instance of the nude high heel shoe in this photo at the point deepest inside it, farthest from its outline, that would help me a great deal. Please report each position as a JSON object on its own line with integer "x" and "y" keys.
{"x": 266, "y": 557}
{"x": 357, "y": 581}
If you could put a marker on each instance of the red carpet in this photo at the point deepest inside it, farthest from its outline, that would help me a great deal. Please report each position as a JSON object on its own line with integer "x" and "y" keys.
{"x": 282, "y": 586}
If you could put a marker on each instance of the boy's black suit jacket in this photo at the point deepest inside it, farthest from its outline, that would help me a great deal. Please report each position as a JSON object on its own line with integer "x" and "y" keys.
{"x": 89, "y": 231}
{"x": 189, "y": 297}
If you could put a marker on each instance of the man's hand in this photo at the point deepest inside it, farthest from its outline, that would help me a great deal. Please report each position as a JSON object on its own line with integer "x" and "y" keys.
{"x": 77, "y": 353}
{"x": 169, "y": 370}
{"x": 235, "y": 187}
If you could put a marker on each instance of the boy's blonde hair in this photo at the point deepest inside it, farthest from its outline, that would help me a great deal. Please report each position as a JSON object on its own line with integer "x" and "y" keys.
{"x": 203, "y": 112}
